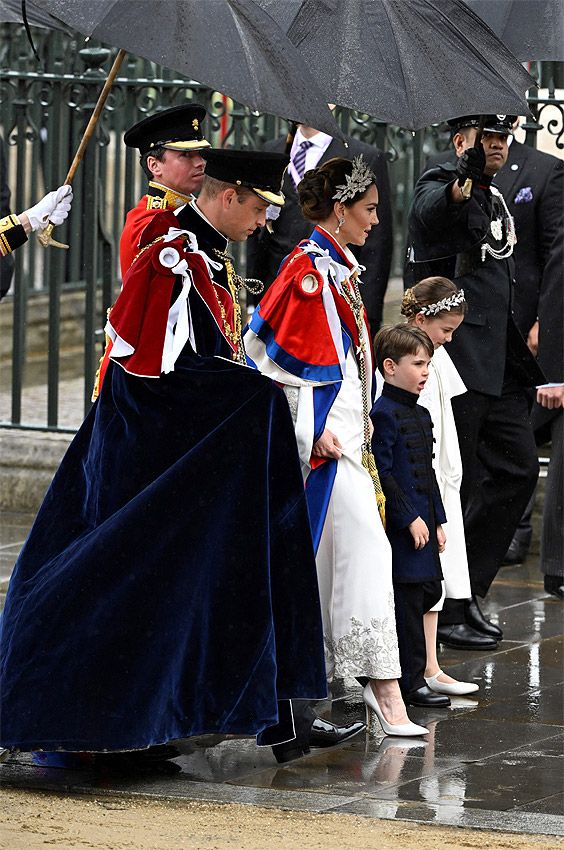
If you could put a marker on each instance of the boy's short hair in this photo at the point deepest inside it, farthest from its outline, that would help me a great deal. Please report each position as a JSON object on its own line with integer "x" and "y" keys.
{"x": 398, "y": 340}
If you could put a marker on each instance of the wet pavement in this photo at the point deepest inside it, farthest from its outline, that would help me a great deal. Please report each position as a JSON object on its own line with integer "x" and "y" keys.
{"x": 490, "y": 762}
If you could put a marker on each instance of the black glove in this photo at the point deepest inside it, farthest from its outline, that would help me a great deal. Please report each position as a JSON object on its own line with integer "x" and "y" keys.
{"x": 471, "y": 165}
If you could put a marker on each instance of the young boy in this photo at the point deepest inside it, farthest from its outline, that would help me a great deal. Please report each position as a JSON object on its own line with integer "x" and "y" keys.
{"x": 403, "y": 447}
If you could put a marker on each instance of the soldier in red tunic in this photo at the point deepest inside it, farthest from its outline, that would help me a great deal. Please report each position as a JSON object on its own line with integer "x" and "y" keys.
{"x": 170, "y": 143}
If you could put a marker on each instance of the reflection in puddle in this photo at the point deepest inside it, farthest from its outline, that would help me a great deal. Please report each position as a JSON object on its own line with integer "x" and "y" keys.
{"x": 534, "y": 666}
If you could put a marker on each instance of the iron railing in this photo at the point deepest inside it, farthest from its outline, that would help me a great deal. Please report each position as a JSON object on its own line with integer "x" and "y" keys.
{"x": 50, "y": 323}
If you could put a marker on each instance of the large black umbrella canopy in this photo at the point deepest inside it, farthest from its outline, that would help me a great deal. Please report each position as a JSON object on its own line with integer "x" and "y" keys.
{"x": 11, "y": 13}
{"x": 233, "y": 46}
{"x": 406, "y": 62}
{"x": 531, "y": 29}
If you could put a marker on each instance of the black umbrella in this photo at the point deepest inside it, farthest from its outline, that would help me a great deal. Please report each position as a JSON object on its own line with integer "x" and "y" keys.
{"x": 531, "y": 29}
{"x": 233, "y": 46}
{"x": 406, "y": 62}
{"x": 11, "y": 13}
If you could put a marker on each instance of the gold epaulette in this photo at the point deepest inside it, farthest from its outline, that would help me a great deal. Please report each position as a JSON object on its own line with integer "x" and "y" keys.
{"x": 166, "y": 198}
{"x": 155, "y": 202}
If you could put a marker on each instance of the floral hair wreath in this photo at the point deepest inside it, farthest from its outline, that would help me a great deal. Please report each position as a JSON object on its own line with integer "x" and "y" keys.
{"x": 454, "y": 300}
{"x": 358, "y": 180}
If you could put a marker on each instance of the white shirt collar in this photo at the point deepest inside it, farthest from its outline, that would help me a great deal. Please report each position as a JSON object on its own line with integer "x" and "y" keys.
{"x": 320, "y": 140}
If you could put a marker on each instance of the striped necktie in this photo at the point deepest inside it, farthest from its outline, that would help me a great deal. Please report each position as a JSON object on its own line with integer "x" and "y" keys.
{"x": 300, "y": 157}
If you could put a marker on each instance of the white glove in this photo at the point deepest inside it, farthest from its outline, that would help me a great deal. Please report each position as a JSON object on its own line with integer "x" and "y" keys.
{"x": 54, "y": 208}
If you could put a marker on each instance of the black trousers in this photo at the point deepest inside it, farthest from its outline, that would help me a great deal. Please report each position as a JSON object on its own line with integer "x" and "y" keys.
{"x": 298, "y": 716}
{"x": 412, "y": 600}
{"x": 500, "y": 470}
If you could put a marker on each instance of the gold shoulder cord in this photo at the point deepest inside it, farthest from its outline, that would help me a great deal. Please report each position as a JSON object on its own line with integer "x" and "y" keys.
{"x": 354, "y": 300}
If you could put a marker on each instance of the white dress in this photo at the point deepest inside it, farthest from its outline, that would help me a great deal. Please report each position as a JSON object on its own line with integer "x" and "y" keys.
{"x": 444, "y": 382}
{"x": 354, "y": 557}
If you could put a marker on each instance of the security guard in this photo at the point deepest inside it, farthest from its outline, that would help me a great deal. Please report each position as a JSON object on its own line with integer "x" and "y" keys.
{"x": 469, "y": 237}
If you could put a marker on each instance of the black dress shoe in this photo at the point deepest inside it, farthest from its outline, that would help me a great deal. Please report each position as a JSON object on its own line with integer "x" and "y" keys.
{"x": 555, "y": 586}
{"x": 463, "y": 636}
{"x": 475, "y": 617}
{"x": 427, "y": 698}
{"x": 517, "y": 552}
{"x": 326, "y": 734}
{"x": 289, "y": 751}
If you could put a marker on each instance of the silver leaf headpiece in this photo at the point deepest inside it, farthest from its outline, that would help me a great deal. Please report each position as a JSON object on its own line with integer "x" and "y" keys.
{"x": 358, "y": 180}
{"x": 444, "y": 304}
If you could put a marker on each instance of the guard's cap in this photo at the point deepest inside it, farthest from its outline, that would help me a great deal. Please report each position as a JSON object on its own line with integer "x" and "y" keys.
{"x": 261, "y": 171}
{"x": 178, "y": 129}
{"x": 493, "y": 123}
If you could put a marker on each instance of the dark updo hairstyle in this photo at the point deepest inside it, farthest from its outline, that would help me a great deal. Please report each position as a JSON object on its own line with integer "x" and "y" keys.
{"x": 318, "y": 185}
{"x": 430, "y": 290}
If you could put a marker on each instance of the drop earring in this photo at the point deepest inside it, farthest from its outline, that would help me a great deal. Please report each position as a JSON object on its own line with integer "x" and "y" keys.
{"x": 341, "y": 222}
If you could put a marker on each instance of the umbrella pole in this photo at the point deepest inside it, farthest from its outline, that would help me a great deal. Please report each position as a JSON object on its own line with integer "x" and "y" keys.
{"x": 467, "y": 187}
{"x": 45, "y": 236}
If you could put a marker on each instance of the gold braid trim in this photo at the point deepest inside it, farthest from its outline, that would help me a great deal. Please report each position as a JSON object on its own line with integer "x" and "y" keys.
{"x": 169, "y": 199}
{"x": 107, "y": 341}
{"x": 354, "y": 300}
{"x": 8, "y": 224}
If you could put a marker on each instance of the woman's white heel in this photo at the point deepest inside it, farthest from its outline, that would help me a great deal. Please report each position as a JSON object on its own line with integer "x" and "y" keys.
{"x": 403, "y": 730}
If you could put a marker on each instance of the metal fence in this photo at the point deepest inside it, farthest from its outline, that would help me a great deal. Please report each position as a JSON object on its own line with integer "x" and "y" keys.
{"x": 51, "y": 323}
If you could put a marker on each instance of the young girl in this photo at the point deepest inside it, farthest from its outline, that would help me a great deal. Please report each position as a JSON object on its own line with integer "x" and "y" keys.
{"x": 436, "y": 306}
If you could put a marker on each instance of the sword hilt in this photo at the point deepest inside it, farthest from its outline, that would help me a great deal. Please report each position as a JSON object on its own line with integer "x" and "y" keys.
{"x": 45, "y": 238}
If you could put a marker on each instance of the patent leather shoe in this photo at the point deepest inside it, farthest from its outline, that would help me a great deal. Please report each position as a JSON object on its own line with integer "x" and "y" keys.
{"x": 554, "y": 585}
{"x": 326, "y": 734}
{"x": 475, "y": 618}
{"x": 463, "y": 636}
{"x": 426, "y": 698}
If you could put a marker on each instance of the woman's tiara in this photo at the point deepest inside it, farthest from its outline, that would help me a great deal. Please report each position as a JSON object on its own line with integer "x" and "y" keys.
{"x": 358, "y": 180}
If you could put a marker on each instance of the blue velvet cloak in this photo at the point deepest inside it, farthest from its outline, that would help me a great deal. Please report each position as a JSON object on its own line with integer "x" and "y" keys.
{"x": 168, "y": 586}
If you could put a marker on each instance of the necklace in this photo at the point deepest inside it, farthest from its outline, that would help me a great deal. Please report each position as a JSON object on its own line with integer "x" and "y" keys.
{"x": 353, "y": 298}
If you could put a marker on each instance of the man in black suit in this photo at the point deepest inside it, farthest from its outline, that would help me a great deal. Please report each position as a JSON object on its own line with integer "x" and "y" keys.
{"x": 532, "y": 184}
{"x": 267, "y": 248}
{"x": 469, "y": 237}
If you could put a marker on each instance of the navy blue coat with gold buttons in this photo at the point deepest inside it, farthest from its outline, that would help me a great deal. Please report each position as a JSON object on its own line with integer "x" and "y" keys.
{"x": 403, "y": 447}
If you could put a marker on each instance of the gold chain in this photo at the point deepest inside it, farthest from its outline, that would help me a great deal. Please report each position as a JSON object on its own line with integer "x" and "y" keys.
{"x": 234, "y": 283}
{"x": 354, "y": 300}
